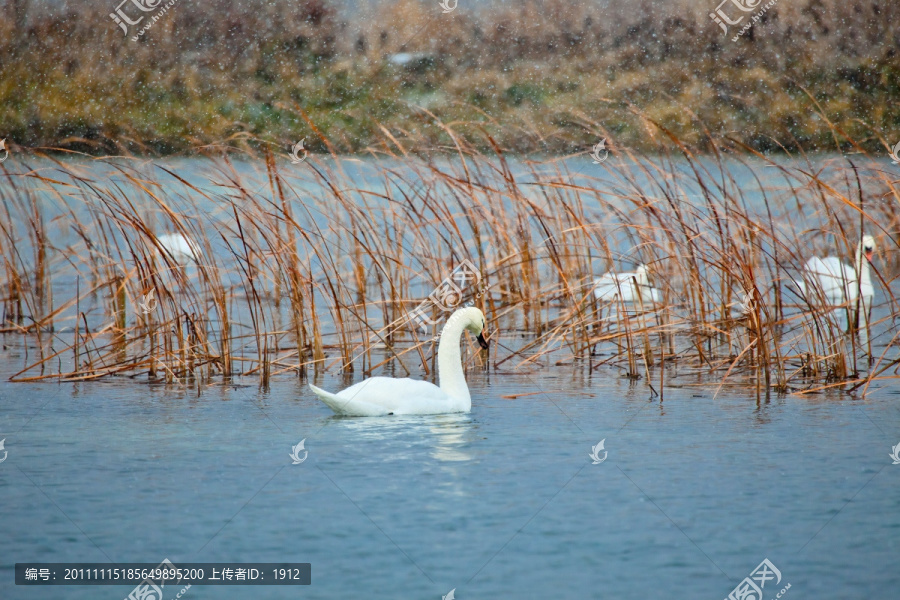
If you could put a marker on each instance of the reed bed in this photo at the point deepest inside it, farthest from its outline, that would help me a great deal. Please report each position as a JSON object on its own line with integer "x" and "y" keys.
{"x": 316, "y": 267}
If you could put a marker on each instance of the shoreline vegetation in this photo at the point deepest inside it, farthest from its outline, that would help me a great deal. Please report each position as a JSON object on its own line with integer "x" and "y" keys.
{"x": 550, "y": 77}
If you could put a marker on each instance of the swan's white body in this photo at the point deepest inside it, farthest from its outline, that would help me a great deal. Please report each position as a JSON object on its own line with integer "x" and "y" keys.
{"x": 379, "y": 396}
{"x": 834, "y": 282}
{"x": 181, "y": 250}
{"x": 633, "y": 287}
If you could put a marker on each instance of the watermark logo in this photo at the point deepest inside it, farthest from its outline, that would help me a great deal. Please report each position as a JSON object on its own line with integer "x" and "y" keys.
{"x": 152, "y": 587}
{"x": 895, "y": 455}
{"x": 5, "y": 452}
{"x": 295, "y": 452}
{"x": 448, "y": 8}
{"x": 296, "y": 149}
{"x": 147, "y": 303}
{"x": 894, "y": 154}
{"x": 4, "y": 150}
{"x": 751, "y": 587}
{"x": 723, "y": 20}
{"x": 122, "y": 20}
{"x": 450, "y": 596}
{"x": 600, "y": 147}
{"x": 448, "y": 294}
{"x": 746, "y": 304}
{"x": 595, "y": 453}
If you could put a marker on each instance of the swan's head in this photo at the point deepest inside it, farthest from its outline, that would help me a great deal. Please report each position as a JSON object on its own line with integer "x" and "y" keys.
{"x": 867, "y": 245}
{"x": 473, "y": 320}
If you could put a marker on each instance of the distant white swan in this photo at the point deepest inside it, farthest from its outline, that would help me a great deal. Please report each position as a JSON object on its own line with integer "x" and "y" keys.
{"x": 830, "y": 279}
{"x": 633, "y": 287}
{"x": 388, "y": 396}
{"x": 180, "y": 249}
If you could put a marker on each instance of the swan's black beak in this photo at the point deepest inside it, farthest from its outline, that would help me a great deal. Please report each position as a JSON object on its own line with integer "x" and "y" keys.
{"x": 482, "y": 342}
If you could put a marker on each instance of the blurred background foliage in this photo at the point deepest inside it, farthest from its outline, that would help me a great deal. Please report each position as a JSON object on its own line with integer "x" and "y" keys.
{"x": 546, "y": 76}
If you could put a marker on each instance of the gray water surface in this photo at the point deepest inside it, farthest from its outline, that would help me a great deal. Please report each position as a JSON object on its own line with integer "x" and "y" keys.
{"x": 500, "y": 503}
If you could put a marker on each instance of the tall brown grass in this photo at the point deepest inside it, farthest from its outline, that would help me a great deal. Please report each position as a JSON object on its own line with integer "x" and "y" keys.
{"x": 316, "y": 266}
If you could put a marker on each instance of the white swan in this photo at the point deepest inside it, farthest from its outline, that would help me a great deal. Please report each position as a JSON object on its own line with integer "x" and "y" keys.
{"x": 633, "y": 287}
{"x": 829, "y": 279}
{"x": 388, "y": 396}
{"x": 180, "y": 249}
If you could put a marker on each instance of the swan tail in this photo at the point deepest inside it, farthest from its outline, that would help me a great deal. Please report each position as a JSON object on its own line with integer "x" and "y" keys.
{"x": 334, "y": 402}
{"x": 349, "y": 405}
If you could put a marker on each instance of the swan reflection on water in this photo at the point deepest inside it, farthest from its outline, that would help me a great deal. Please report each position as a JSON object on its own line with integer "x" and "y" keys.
{"x": 446, "y": 435}
{"x": 451, "y": 437}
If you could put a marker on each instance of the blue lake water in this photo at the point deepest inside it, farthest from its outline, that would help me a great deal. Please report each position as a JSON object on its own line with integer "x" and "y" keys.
{"x": 503, "y": 502}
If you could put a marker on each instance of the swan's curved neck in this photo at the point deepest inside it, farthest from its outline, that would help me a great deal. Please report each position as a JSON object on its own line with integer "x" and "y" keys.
{"x": 641, "y": 278}
{"x": 450, "y": 372}
{"x": 862, "y": 265}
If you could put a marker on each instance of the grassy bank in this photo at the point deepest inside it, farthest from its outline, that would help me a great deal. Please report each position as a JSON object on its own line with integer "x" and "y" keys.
{"x": 539, "y": 76}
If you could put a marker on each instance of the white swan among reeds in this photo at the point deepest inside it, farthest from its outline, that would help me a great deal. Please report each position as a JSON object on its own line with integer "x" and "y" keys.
{"x": 631, "y": 287}
{"x": 830, "y": 281}
{"x": 835, "y": 282}
{"x": 378, "y": 396}
{"x": 179, "y": 249}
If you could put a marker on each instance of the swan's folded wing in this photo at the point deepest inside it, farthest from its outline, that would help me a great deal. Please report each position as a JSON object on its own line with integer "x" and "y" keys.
{"x": 831, "y": 267}
{"x": 606, "y": 287}
{"x": 611, "y": 285}
{"x": 830, "y": 277}
{"x": 386, "y": 395}
{"x": 179, "y": 247}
